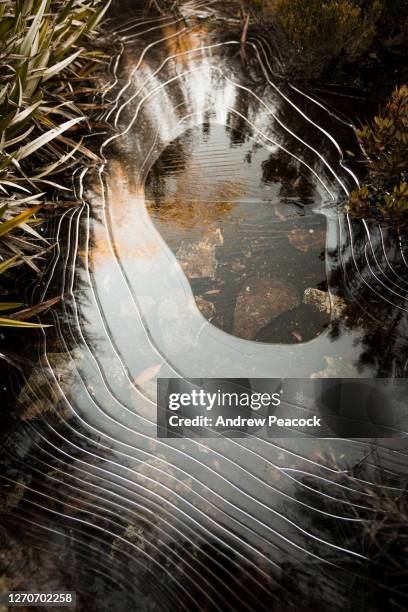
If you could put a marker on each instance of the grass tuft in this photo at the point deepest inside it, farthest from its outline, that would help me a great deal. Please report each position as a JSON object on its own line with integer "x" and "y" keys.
{"x": 48, "y": 58}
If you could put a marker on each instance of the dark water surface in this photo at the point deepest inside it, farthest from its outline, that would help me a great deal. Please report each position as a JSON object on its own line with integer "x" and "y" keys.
{"x": 241, "y": 223}
{"x": 211, "y": 242}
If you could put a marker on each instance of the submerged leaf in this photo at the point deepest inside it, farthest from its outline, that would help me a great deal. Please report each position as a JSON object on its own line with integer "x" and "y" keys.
{"x": 27, "y": 313}
{"x": 147, "y": 374}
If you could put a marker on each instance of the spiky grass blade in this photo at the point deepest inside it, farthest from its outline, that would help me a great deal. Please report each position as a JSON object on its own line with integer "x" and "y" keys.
{"x": 5, "y": 265}
{"x": 10, "y": 306}
{"x": 14, "y": 222}
{"x": 42, "y": 140}
{"x": 5, "y": 322}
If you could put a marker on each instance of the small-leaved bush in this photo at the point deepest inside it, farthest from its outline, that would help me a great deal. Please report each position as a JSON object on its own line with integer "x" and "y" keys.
{"x": 310, "y": 34}
{"x": 385, "y": 144}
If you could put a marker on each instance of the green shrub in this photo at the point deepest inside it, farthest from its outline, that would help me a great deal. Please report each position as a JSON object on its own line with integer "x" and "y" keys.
{"x": 393, "y": 26}
{"x": 379, "y": 201}
{"x": 385, "y": 144}
{"x": 310, "y": 34}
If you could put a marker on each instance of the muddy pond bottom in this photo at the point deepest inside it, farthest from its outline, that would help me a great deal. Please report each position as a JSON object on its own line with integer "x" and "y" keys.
{"x": 241, "y": 223}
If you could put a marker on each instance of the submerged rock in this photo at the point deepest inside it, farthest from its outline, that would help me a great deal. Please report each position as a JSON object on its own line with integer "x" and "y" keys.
{"x": 306, "y": 240}
{"x": 319, "y": 300}
{"x": 323, "y": 302}
{"x": 260, "y": 301}
{"x": 198, "y": 260}
{"x": 205, "y": 307}
{"x": 338, "y": 367}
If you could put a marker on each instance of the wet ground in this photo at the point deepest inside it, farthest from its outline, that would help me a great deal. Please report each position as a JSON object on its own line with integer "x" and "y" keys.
{"x": 211, "y": 242}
